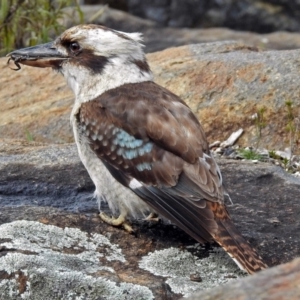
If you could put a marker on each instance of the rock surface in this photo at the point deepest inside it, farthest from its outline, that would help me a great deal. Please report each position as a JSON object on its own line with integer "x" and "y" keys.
{"x": 158, "y": 38}
{"x": 224, "y": 83}
{"x": 227, "y": 83}
{"x": 53, "y": 245}
{"x": 253, "y": 15}
{"x": 273, "y": 284}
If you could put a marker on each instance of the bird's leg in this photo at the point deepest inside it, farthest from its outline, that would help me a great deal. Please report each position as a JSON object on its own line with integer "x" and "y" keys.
{"x": 152, "y": 217}
{"x": 117, "y": 222}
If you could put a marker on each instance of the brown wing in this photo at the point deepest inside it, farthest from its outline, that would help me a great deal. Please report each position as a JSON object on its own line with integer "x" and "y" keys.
{"x": 147, "y": 110}
{"x": 151, "y": 135}
{"x": 144, "y": 132}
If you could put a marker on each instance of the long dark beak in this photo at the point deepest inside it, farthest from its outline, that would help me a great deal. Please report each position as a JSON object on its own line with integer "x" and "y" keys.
{"x": 41, "y": 56}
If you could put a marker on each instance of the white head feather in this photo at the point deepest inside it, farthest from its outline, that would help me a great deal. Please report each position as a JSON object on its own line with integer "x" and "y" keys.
{"x": 124, "y": 54}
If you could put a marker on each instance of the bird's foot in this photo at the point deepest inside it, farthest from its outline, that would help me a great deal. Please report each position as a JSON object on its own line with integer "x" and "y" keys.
{"x": 152, "y": 217}
{"x": 117, "y": 222}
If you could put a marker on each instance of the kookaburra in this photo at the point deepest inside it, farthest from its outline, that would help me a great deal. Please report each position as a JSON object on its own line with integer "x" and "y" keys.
{"x": 154, "y": 149}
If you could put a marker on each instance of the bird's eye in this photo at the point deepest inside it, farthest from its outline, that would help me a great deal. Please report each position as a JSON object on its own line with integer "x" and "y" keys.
{"x": 74, "y": 47}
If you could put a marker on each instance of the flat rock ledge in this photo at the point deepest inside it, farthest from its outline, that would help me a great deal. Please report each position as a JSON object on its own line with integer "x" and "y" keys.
{"x": 54, "y": 246}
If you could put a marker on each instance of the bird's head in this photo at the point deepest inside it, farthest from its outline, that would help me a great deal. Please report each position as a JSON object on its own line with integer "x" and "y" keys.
{"x": 92, "y": 58}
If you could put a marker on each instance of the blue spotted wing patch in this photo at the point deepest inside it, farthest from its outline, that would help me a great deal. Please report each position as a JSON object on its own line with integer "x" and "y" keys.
{"x": 116, "y": 146}
{"x": 130, "y": 147}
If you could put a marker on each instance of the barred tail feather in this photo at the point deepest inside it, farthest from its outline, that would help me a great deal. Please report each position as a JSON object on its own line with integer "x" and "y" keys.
{"x": 231, "y": 240}
{"x": 205, "y": 221}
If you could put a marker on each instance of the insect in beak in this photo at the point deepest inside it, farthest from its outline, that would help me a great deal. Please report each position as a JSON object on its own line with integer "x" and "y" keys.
{"x": 16, "y": 59}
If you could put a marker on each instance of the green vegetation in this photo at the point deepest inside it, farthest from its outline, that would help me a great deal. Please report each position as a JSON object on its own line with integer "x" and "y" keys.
{"x": 29, "y": 136}
{"x": 26, "y": 23}
{"x": 292, "y": 126}
{"x": 260, "y": 123}
{"x": 273, "y": 155}
{"x": 286, "y": 163}
{"x": 250, "y": 154}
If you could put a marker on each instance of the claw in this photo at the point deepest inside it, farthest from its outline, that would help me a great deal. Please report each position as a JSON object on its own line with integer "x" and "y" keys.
{"x": 152, "y": 217}
{"x": 15, "y": 62}
{"x": 117, "y": 222}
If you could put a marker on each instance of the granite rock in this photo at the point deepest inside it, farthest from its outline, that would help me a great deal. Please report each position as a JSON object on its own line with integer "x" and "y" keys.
{"x": 53, "y": 244}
